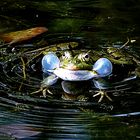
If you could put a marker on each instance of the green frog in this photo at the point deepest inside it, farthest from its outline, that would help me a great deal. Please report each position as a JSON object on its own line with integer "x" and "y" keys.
{"x": 80, "y": 65}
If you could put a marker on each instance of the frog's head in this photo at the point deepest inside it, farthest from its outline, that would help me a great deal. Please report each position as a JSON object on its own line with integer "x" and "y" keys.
{"x": 76, "y": 67}
{"x": 76, "y": 61}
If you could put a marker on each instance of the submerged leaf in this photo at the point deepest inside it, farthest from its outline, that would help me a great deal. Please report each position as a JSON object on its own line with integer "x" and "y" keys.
{"x": 23, "y": 35}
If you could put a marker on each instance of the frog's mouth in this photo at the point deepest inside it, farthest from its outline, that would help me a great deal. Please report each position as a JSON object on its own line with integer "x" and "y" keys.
{"x": 75, "y": 67}
{"x": 75, "y": 75}
{"x": 71, "y": 67}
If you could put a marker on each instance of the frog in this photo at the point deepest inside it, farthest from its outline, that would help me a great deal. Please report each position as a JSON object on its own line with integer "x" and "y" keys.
{"x": 80, "y": 65}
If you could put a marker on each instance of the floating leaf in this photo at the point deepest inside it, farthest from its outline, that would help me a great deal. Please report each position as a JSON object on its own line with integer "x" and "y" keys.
{"x": 23, "y": 35}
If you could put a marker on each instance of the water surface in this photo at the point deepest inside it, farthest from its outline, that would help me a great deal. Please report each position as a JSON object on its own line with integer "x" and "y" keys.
{"x": 94, "y": 23}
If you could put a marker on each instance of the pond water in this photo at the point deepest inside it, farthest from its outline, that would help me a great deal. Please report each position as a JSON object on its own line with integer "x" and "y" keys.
{"x": 95, "y": 24}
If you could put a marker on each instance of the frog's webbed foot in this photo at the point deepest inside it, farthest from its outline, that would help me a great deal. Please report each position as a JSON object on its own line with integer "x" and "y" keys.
{"x": 44, "y": 91}
{"x": 102, "y": 93}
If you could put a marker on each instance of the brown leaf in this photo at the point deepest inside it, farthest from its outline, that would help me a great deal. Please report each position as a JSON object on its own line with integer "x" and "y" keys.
{"x": 23, "y": 35}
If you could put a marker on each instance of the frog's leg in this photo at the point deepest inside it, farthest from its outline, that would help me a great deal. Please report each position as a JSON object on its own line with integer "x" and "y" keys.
{"x": 102, "y": 93}
{"x": 45, "y": 84}
{"x": 102, "y": 85}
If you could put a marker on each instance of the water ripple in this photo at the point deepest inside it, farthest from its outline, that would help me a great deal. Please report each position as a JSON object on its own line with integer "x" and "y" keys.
{"x": 26, "y": 116}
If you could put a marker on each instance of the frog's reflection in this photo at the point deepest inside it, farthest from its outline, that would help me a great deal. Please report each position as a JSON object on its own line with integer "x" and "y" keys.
{"x": 81, "y": 90}
{"x": 75, "y": 90}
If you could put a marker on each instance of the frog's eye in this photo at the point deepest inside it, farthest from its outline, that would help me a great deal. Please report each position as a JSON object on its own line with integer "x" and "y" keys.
{"x": 66, "y": 55}
{"x": 84, "y": 57}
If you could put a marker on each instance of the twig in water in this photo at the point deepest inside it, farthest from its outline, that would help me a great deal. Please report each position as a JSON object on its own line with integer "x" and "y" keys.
{"x": 24, "y": 68}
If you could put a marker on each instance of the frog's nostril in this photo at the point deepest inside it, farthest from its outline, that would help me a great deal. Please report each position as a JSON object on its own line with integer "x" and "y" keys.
{"x": 49, "y": 62}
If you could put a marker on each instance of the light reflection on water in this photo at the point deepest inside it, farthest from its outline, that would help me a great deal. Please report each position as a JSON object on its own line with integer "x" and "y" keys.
{"x": 67, "y": 123}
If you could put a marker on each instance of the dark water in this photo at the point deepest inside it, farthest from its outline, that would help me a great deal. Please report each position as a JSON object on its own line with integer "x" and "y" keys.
{"x": 95, "y": 24}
